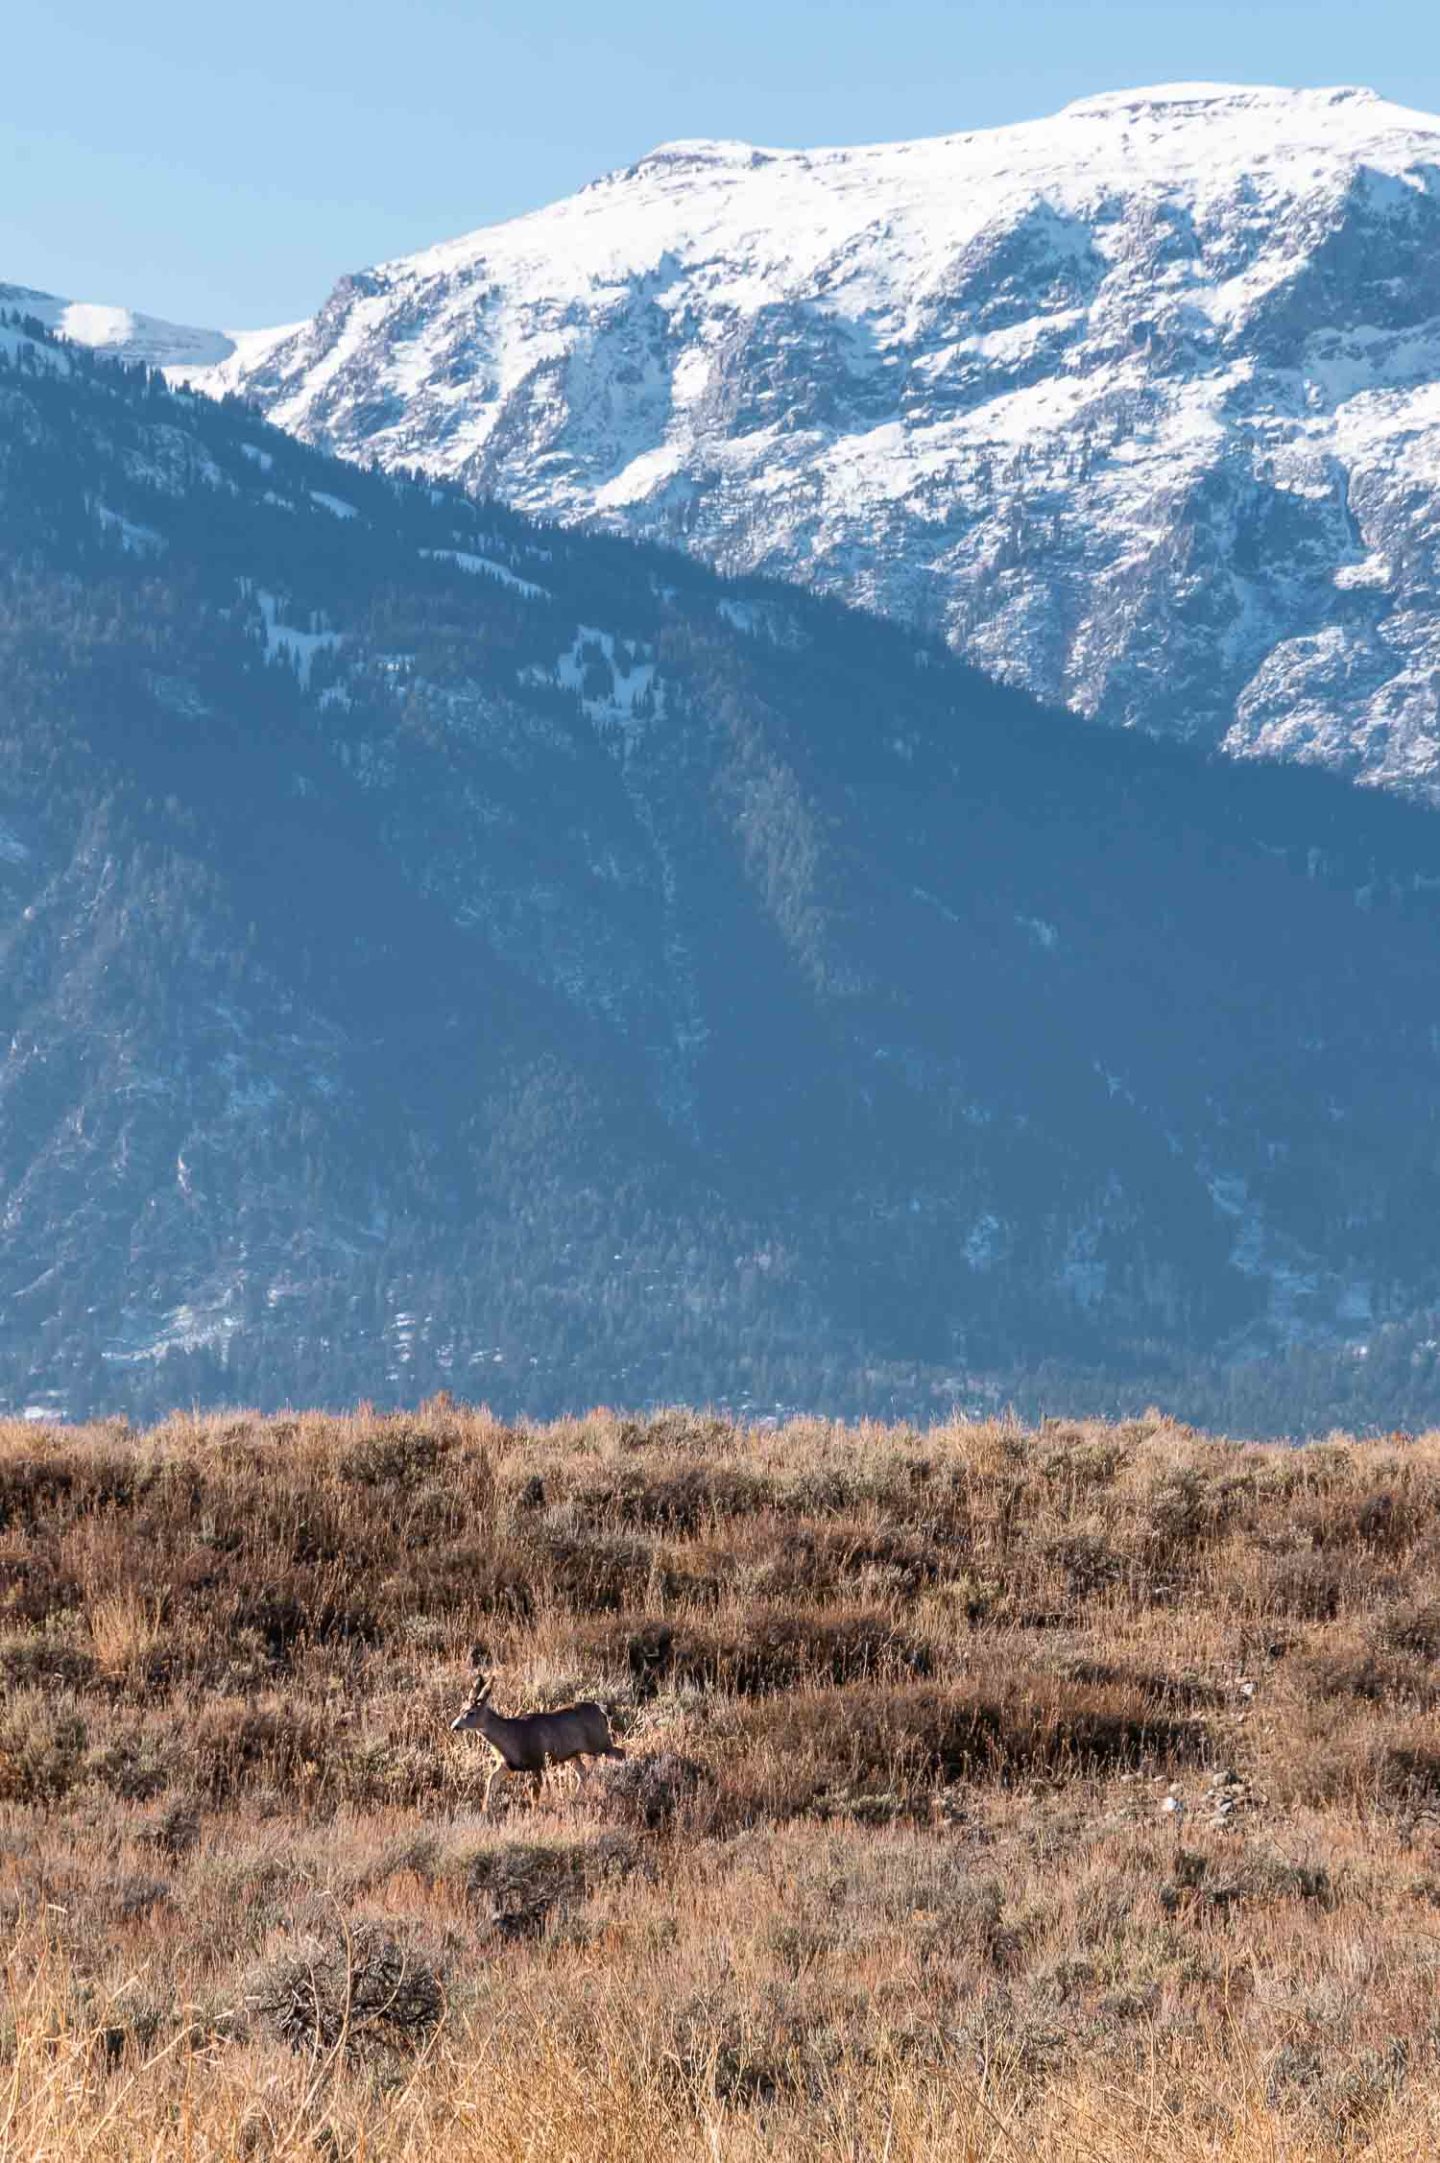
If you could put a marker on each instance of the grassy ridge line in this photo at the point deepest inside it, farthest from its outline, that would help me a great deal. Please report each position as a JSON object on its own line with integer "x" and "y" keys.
{"x": 887, "y": 1870}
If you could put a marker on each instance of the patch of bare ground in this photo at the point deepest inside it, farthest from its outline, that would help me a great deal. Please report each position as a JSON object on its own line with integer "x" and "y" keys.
{"x": 1066, "y": 1794}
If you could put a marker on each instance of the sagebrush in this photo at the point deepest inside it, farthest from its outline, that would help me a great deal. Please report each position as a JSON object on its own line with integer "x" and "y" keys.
{"x": 1073, "y": 1791}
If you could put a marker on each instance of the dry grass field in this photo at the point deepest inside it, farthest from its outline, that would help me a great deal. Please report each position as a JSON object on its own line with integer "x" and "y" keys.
{"x": 1068, "y": 1794}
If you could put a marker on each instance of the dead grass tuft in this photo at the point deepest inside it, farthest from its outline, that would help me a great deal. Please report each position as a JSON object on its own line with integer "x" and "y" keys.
{"x": 126, "y": 1626}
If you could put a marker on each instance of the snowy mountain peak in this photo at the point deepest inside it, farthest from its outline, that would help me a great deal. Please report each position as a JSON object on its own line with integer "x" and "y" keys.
{"x": 1167, "y": 98}
{"x": 1138, "y": 405}
{"x": 122, "y": 333}
{"x": 1227, "y": 122}
{"x": 702, "y": 151}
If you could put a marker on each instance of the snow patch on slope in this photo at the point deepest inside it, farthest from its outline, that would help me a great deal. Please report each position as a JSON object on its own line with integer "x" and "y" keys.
{"x": 298, "y": 646}
{"x": 487, "y": 567}
{"x": 615, "y": 691}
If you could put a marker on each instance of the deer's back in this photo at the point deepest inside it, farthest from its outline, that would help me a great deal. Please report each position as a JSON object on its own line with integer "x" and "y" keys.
{"x": 573, "y": 1731}
{"x": 576, "y": 1729}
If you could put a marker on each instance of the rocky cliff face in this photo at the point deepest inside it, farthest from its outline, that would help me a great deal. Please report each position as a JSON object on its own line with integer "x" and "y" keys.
{"x": 1138, "y": 407}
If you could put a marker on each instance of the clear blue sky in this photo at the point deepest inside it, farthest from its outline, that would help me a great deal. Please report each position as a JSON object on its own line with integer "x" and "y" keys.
{"x": 225, "y": 165}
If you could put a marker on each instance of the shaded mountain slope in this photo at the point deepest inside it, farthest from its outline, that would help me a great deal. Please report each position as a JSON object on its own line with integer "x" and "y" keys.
{"x": 440, "y": 949}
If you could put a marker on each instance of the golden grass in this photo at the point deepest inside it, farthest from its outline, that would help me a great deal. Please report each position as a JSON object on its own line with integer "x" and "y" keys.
{"x": 125, "y": 1628}
{"x": 1065, "y": 1794}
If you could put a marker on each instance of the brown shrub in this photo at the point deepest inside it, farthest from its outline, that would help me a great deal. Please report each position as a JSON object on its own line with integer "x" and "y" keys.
{"x": 398, "y": 1455}
{"x": 175, "y": 1832}
{"x": 1310, "y": 1587}
{"x": 1408, "y": 1774}
{"x": 44, "y": 1658}
{"x": 772, "y": 1650}
{"x": 358, "y": 1990}
{"x": 236, "y": 1743}
{"x": 522, "y": 1884}
{"x": 1413, "y": 1628}
{"x": 1373, "y": 1678}
{"x": 884, "y": 1735}
{"x": 42, "y": 1749}
{"x": 652, "y": 1791}
{"x": 1199, "y": 1888}
{"x": 819, "y": 1562}
{"x": 775, "y": 1651}
{"x": 34, "y": 1591}
{"x": 1154, "y": 1687}
{"x": 682, "y": 1502}
{"x": 1090, "y": 1563}
{"x": 598, "y": 1571}
{"x": 318, "y": 1607}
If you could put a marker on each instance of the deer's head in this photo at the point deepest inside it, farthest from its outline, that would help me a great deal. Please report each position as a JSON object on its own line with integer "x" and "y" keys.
{"x": 474, "y": 1712}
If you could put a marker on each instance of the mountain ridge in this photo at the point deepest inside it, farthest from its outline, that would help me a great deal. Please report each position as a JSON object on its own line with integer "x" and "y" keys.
{"x": 1138, "y": 406}
{"x": 119, "y": 332}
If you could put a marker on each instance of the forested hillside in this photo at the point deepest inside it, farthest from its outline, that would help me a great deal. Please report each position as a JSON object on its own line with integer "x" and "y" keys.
{"x": 437, "y": 949}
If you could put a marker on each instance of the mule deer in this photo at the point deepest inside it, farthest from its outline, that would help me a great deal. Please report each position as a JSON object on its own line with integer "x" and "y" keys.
{"x": 534, "y": 1740}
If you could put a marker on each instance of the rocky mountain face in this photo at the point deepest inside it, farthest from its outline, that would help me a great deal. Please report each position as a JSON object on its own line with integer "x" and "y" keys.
{"x": 438, "y": 949}
{"x": 1137, "y": 407}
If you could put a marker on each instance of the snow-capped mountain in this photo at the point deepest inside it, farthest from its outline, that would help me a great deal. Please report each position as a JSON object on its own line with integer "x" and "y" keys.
{"x": 1138, "y": 405}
